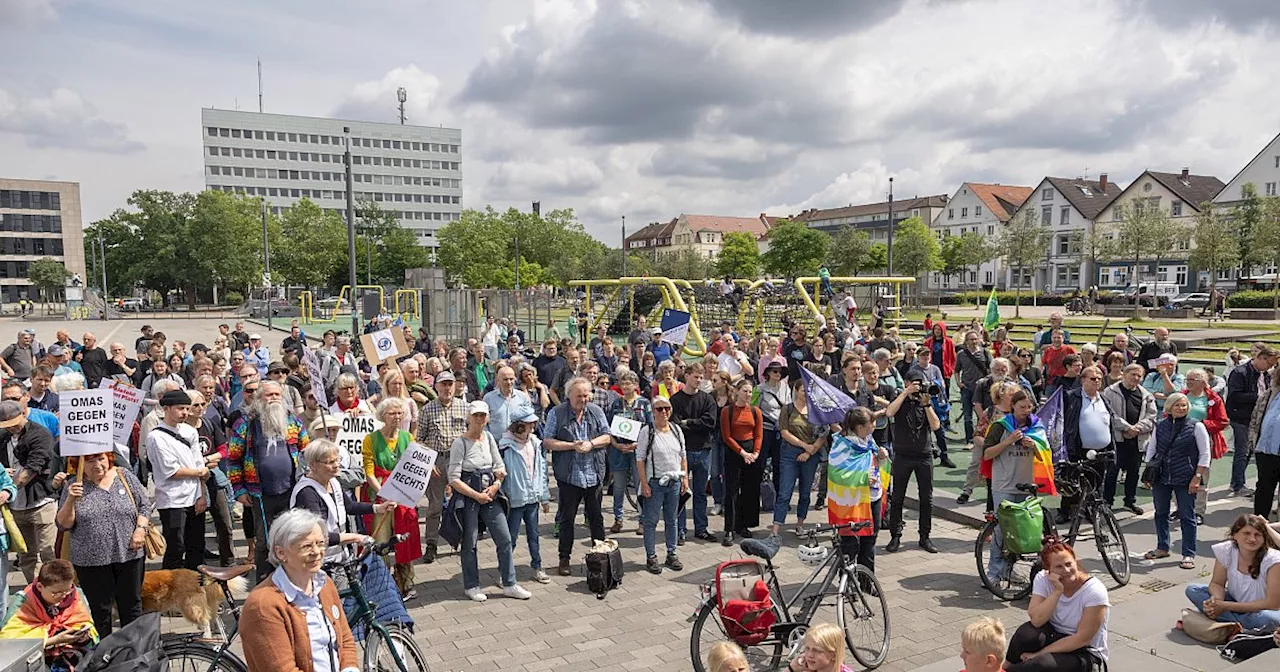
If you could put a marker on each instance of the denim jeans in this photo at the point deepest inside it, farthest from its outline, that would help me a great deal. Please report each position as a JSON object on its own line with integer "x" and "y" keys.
{"x": 496, "y": 522}
{"x": 1161, "y": 496}
{"x": 4, "y": 581}
{"x": 1266, "y": 620}
{"x": 1240, "y": 454}
{"x": 664, "y": 500}
{"x": 717, "y": 470}
{"x": 527, "y": 514}
{"x": 699, "y": 471}
{"x": 966, "y": 411}
{"x": 996, "y": 564}
{"x": 623, "y": 473}
{"x": 791, "y": 471}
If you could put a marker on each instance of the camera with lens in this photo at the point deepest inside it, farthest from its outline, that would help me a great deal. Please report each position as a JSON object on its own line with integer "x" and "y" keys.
{"x": 930, "y": 389}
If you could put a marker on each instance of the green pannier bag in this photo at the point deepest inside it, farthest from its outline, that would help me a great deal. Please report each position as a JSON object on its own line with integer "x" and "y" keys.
{"x": 1022, "y": 524}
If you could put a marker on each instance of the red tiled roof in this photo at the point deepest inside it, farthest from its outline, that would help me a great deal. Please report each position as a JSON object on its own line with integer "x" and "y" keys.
{"x": 751, "y": 225}
{"x": 1002, "y": 200}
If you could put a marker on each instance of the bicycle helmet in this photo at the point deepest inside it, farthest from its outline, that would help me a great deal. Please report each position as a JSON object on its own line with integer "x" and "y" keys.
{"x": 812, "y": 556}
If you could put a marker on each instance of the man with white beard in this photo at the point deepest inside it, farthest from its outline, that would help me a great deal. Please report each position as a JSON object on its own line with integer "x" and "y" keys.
{"x": 262, "y": 455}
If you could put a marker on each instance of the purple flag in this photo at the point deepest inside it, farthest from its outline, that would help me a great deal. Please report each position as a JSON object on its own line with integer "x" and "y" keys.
{"x": 1048, "y": 414}
{"x": 827, "y": 404}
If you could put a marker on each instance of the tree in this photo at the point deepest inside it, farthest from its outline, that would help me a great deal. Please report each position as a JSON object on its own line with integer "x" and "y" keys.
{"x": 473, "y": 248}
{"x": 49, "y": 275}
{"x": 316, "y": 241}
{"x": 739, "y": 256}
{"x": 1145, "y": 232}
{"x": 1092, "y": 247}
{"x": 1217, "y": 245}
{"x": 120, "y": 244}
{"x": 916, "y": 250}
{"x": 1246, "y": 215}
{"x": 1265, "y": 244}
{"x": 850, "y": 252}
{"x": 877, "y": 259}
{"x": 795, "y": 250}
{"x": 1022, "y": 245}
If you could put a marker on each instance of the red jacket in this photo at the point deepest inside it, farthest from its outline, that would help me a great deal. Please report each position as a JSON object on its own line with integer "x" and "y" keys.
{"x": 1215, "y": 421}
{"x": 948, "y": 363}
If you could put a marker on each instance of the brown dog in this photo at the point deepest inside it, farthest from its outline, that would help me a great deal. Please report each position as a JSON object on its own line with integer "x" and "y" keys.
{"x": 189, "y": 593}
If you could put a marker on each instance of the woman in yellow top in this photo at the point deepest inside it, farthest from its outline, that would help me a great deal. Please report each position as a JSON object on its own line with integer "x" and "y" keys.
{"x": 382, "y": 449}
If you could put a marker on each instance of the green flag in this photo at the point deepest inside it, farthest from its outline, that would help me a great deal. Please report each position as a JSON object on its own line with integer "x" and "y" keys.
{"x": 992, "y": 320}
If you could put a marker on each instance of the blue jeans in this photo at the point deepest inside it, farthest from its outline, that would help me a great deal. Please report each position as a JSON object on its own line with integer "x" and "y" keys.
{"x": 496, "y": 522}
{"x": 1161, "y": 495}
{"x": 699, "y": 470}
{"x": 664, "y": 500}
{"x": 527, "y": 514}
{"x": 717, "y": 470}
{"x": 1240, "y": 454}
{"x": 1266, "y": 620}
{"x": 791, "y": 471}
{"x": 996, "y": 565}
{"x": 623, "y": 473}
{"x": 966, "y": 411}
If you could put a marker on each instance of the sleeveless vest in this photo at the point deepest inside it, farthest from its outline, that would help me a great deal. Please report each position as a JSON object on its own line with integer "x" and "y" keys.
{"x": 1176, "y": 448}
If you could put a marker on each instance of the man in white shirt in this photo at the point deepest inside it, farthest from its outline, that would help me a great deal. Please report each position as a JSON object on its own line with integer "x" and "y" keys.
{"x": 1084, "y": 424}
{"x": 180, "y": 473}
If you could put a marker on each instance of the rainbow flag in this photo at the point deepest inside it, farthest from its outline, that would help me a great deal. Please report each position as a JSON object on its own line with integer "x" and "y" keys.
{"x": 1042, "y": 458}
{"x": 849, "y": 471}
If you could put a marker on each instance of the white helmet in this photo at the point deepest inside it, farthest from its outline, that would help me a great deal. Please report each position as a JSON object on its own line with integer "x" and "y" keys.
{"x": 812, "y": 556}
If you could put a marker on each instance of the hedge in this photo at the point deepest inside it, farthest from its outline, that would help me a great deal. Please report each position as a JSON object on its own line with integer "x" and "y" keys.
{"x": 1252, "y": 298}
{"x": 1006, "y": 298}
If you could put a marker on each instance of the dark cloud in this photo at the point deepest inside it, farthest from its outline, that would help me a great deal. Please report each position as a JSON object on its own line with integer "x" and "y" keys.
{"x": 806, "y": 18}
{"x": 684, "y": 161}
{"x": 63, "y": 120}
{"x": 1242, "y": 15}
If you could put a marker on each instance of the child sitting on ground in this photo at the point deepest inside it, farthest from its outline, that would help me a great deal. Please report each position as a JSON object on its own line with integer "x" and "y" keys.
{"x": 982, "y": 645}
{"x": 727, "y": 657}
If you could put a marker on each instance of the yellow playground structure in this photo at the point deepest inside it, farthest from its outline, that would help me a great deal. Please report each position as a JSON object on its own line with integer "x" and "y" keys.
{"x": 408, "y": 304}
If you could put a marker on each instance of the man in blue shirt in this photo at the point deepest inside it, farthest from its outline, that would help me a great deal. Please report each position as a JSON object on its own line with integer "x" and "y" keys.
{"x": 577, "y": 434}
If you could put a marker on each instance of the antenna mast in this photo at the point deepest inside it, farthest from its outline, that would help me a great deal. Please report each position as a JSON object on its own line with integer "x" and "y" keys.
{"x": 259, "y": 85}
{"x": 402, "y": 96}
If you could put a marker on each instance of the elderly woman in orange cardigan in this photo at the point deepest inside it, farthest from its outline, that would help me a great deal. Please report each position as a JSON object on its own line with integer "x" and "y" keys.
{"x": 293, "y": 621}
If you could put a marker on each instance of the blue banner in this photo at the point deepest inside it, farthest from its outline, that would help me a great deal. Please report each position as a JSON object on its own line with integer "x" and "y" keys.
{"x": 675, "y": 326}
{"x": 827, "y": 404}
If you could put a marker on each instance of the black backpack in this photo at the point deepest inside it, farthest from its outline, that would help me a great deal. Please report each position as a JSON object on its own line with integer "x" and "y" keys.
{"x": 1246, "y": 645}
{"x": 604, "y": 570}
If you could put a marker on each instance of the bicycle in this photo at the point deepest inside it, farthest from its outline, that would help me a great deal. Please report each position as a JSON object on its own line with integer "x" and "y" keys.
{"x": 188, "y": 653}
{"x": 859, "y": 602}
{"x": 1020, "y": 569}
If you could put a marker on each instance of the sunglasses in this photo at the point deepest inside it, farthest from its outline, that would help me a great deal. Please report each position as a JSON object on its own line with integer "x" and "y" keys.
{"x": 662, "y": 409}
{"x": 251, "y": 389}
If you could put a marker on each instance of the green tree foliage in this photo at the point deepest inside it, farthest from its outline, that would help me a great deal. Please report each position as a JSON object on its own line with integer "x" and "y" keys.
{"x": 684, "y": 263}
{"x": 877, "y": 259}
{"x": 915, "y": 248}
{"x": 1023, "y": 244}
{"x": 1145, "y": 232}
{"x": 850, "y": 252}
{"x": 1246, "y": 215}
{"x": 795, "y": 250}
{"x": 314, "y": 243}
{"x": 49, "y": 275}
{"x": 1217, "y": 244}
{"x": 119, "y": 241}
{"x": 1264, "y": 246}
{"x": 739, "y": 256}
{"x": 481, "y": 243}
{"x": 1093, "y": 247}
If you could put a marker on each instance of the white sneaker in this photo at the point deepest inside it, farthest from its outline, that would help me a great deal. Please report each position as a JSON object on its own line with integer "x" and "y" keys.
{"x": 541, "y": 577}
{"x": 476, "y": 594}
{"x": 515, "y": 592}
{"x": 715, "y": 510}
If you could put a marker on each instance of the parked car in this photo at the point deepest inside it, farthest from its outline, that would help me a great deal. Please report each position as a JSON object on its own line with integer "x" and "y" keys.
{"x": 134, "y": 304}
{"x": 1190, "y": 300}
{"x": 1151, "y": 294}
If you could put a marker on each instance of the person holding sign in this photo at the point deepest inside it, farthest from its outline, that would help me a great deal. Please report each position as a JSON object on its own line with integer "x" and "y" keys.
{"x": 29, "y": 455}
{"x": 180, "y": 472}
{"x": 476, "y": 473}
{"x": 382, "y": 449}
{"x": 622, "y": 461}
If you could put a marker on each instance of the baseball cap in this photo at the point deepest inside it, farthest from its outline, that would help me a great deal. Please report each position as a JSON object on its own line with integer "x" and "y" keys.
{"x": 10, "y": 414}
{"x": 656, "y": 330}
{"x": 477, "y": 408}
{"x": 255, "y": 337}
{"x": 56, "y": 350}
{"x": 445, "y": 377}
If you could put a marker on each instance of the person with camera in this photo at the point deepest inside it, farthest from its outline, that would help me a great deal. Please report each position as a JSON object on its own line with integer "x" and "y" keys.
{"x": 914, "y": 422}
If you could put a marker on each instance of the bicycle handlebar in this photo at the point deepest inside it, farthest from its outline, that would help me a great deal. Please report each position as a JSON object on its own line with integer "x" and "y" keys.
{"x": 366, "y": 550}
{"x": 853, "y": 527}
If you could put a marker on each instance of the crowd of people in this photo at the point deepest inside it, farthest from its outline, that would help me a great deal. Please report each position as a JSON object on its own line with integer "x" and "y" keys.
{"x": 235, "y": 433}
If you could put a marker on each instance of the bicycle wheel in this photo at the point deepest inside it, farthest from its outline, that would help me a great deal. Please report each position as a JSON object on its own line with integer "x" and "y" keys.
{"x": 1111, "y": 544}
{"x": 707, "y": 631}
{"x": 192, "y": 656}
{"x": 863, "y": 615}
{"x": 378, "y": 651}
{"x": 1014, "y": 582}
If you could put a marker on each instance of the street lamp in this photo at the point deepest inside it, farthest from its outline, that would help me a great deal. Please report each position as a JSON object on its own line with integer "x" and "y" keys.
{"x": 351, "y": 233}
{"x": 889, "y": 255}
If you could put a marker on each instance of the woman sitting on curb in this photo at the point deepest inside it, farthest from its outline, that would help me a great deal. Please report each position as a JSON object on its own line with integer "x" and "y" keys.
{"x": 1067, "y": 629}
{"x": 1245, "y": 587}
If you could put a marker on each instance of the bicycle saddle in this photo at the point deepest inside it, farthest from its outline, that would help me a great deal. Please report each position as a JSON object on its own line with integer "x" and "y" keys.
{"x": 762, "y": 548}
{"x": 225, "y": 573}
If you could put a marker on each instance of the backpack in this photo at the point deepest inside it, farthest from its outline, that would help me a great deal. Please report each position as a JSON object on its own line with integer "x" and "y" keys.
{"x": 743, "y": 601}
{"x": 1022, "y": 524}
{"x": 604, "y": 568}
{"x": 1246, "y": 645}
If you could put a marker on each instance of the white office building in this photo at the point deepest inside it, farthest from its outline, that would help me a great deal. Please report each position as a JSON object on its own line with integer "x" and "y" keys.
{"x": 412, "y": 171}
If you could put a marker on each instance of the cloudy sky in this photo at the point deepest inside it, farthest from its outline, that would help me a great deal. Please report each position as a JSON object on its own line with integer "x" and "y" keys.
{"x": 652, "y": 108}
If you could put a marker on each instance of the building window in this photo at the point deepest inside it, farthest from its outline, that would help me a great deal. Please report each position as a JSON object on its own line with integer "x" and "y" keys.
{"x": 224, "y": 132}
{"x": 991, "y": 230}
{"x": 964, "y": 212}
{"x": 1065, "y": 216}
{"x": 1175, "y": 208}
{"x": 951, "y": 213}
{"x": 1047, "y": 194}
{"x": 213, "y": 133}
{"x": 1064, "y": 245}
{"x": 1046, "y": 215}
{"x": 1278, "y": 162}
{"x": 1271, "y": 188}
{"x": 977, "y": 211}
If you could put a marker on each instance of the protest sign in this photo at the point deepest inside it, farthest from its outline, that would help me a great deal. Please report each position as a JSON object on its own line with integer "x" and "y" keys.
{"x": 408, "y": 481}
{"x": 126, "y": 402}
{"x": 675, "y": 326}
{"x": 625, "y": 428}
{"x": 351, "y": 435}
{"x": 86, "y": 420}
{"x": 316, "y": 374}
{"x": 383, "y": 345}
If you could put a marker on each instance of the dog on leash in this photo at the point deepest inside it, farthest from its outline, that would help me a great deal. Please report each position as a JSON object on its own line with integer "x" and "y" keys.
{"x": 189, "y": 593}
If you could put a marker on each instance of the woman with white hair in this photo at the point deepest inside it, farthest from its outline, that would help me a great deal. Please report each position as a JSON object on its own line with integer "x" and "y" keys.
{"x": 347, "y": 399}
{"x": 294, "y": 620}
{"x": 382, "y": 450}
{"x": 1179, "y": 453}
{"x": 320, "y": 493}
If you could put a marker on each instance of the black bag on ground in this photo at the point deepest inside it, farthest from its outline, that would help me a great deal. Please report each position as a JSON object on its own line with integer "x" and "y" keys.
{"x": 604, "y": 568}
{"x": 1246, "y": 645}
{"x": 133, "y": 648}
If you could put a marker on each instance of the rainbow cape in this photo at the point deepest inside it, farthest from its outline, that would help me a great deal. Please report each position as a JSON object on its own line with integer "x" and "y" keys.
{"x": 849, "y": 483}
{"x": 31, "y": 620}
{"x": 1042, "y": 458}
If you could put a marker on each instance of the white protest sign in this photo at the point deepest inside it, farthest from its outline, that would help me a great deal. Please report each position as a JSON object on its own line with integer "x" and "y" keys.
{"x": 408, "y": 481}
{"x": 351, "y": 435}
{"x": 625, "y": 428}
{"x": 316, "y": 374}
{"x": 86, "y": 422}
{"x": 729, "y": 365}
{"x": 127, "y": 401}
